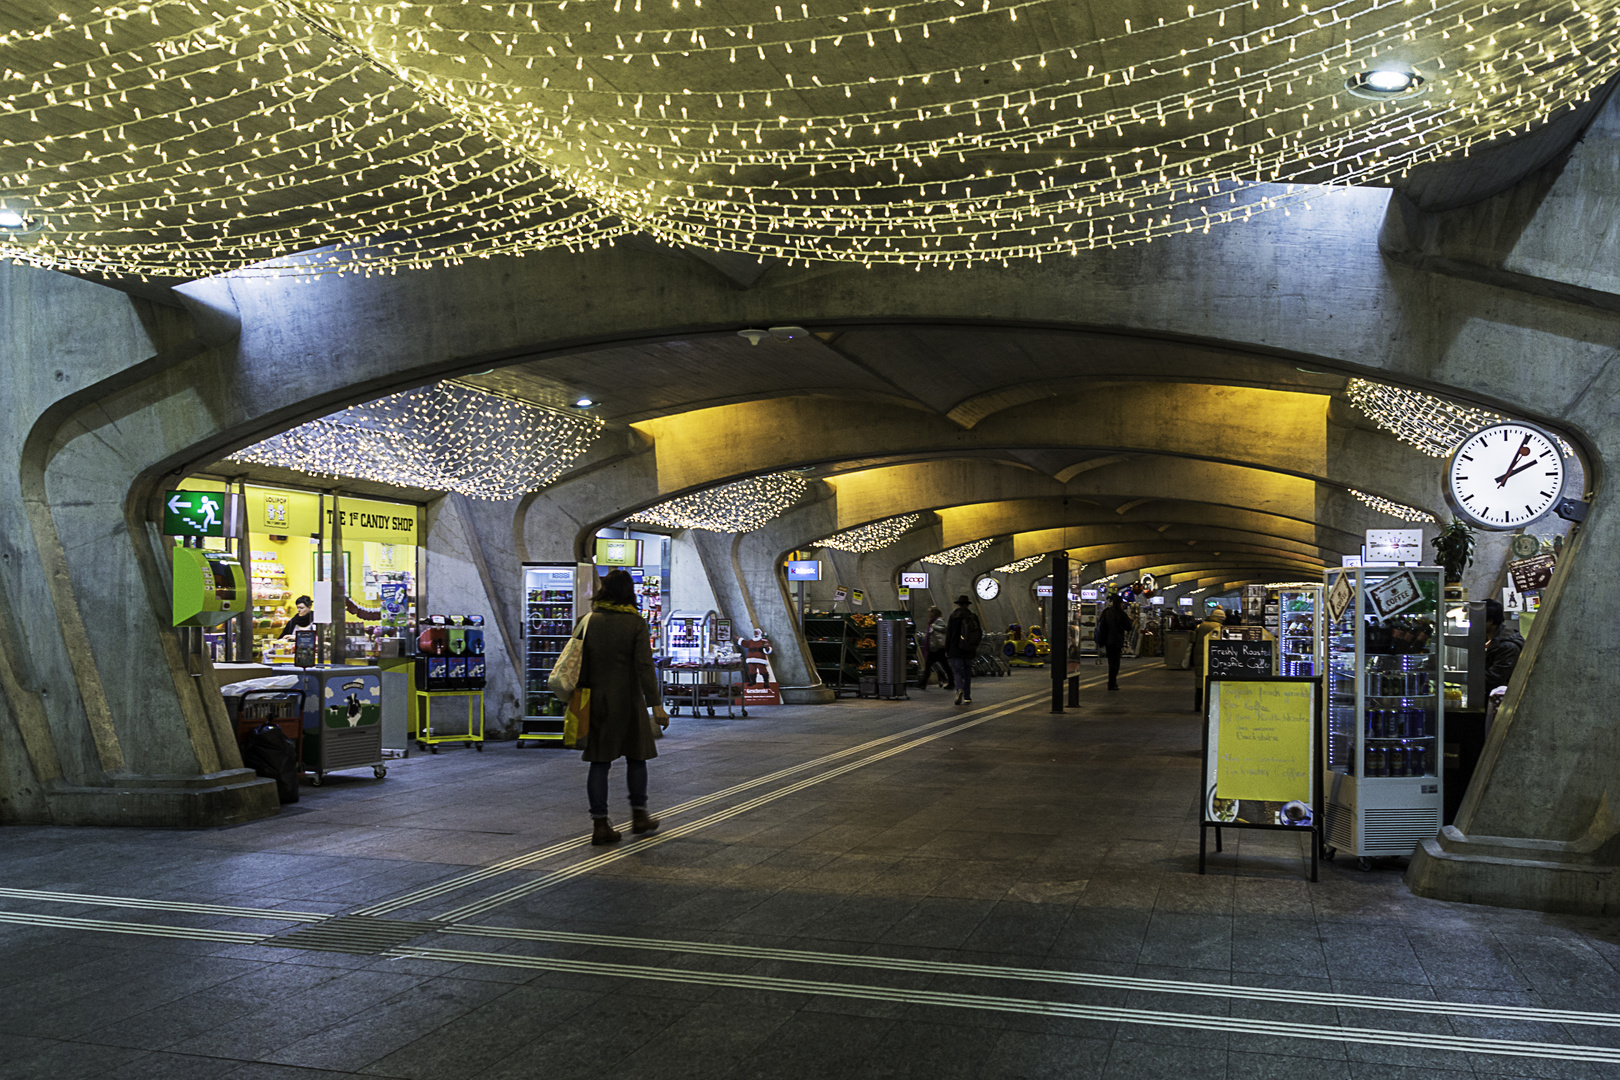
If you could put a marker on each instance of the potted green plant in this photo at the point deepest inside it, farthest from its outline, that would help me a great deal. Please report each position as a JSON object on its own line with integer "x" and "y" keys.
{"x": 1454, "y": 550}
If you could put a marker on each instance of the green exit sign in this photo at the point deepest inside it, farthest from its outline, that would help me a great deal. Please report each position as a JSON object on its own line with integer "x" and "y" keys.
{"x": 199, "y": 513}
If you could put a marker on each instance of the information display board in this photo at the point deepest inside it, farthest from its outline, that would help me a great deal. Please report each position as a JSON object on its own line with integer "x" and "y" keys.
{"x": 1261, "y": 758}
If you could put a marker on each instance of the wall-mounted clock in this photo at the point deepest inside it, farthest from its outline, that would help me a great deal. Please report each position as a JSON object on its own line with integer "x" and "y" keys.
{"x": 1505, "y": 476}
{"x": 988, "y": 588}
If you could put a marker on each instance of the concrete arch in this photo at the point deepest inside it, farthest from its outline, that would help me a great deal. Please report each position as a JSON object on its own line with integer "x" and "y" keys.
{"x": 141, "y": 411}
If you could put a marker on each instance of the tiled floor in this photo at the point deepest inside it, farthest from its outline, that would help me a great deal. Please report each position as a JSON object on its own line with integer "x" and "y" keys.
{"x": 867, "y": 889}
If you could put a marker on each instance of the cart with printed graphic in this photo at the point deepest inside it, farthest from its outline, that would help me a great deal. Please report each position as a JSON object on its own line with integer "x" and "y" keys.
{"x": 342, "y": 719}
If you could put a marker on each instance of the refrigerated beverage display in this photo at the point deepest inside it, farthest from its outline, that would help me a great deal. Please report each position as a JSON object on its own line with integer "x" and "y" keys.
{"x": 549, "y": 592}
{"x": 1383, "y": 659}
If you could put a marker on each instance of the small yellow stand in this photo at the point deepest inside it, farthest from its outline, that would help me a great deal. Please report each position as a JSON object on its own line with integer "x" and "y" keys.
{"x": 421, "y": 718}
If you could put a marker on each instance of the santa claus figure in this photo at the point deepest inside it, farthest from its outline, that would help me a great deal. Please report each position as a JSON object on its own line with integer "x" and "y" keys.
{"x": 756, "y": 652}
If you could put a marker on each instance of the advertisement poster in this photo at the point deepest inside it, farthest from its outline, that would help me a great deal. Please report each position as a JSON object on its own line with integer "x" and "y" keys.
{"x": 1394, "y": 594}
{"x": 840, "y": 594}
{"x": 1531, "y": 574}
{"x": 1339, "y": 597}
{"x": 1261, "y": 747}
{"x": 856, "y": 596}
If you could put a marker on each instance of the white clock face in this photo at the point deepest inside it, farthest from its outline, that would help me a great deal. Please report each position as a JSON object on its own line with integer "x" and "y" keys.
{"x": 1506, "y": 476}
{"x": 988, "y": 588}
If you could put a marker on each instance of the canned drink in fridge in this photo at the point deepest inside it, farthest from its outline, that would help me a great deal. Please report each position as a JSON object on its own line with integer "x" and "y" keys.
{"x": 1377, "y": 761}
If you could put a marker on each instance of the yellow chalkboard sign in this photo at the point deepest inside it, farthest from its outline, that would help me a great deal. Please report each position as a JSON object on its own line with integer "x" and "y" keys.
{"x": 1260, "y": 741}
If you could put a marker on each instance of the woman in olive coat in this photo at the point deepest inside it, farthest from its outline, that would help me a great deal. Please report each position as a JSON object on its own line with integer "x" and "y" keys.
{"x": 618, "y": 671}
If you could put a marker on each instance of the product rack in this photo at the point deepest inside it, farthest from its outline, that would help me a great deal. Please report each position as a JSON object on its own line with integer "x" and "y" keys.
{"x": 831, "y": 639}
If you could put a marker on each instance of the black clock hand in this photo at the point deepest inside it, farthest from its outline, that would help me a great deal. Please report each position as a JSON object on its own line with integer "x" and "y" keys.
{"x": 1501, "y": 480}
{"x": 1517, "y": 454}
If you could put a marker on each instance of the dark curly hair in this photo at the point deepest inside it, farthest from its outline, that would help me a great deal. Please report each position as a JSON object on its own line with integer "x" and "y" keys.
{"x": 618, "y": 587}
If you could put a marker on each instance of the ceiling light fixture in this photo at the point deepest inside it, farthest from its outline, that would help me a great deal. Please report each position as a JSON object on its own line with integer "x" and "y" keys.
{"x": 1381, "y": 84}
{"x": 584, "y": 403}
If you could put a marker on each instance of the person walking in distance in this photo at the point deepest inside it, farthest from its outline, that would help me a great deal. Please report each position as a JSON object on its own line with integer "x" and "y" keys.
{"x": 933, "y": 650}
{"x": 1113, "y": 627}
{"x": 962, "y": 636}
{"x": 618, "y": 671}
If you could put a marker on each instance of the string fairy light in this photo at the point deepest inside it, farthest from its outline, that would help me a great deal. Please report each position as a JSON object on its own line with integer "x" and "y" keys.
{"x": 185, "y": 137}
{"x": 1393, "y": 509}
{"x": 738, "y": 507}
{"x": 1432, "y": 424}
{"x": 446, "y": 437}
{"x": 871, "y": 537}
{"x": 961, "y": 553}
{"x": 1018, "y": 566}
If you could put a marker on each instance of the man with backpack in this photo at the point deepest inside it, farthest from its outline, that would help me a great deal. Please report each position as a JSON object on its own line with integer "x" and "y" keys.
{"x": 962, "y": 636}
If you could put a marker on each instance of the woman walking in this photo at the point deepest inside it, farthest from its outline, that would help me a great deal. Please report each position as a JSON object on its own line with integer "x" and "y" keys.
{"x": 618, "y": 671}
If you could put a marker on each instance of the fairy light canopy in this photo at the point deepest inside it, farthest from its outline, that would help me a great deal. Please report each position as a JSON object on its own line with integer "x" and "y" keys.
{"x": 1018, "y": 566}
{"x": 960, "y": 554}
{"x": 186, "y": 137}
{"x": 445, "y": 437}
{"x": 1393, "y": 509}
{"x": 871, "y": 537}
{"x": 738, "y": 507}
{"x": 1432, "y": 424}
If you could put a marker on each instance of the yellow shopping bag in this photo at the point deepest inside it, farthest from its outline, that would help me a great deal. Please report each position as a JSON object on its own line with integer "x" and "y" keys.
{"x": 577, "y": 720}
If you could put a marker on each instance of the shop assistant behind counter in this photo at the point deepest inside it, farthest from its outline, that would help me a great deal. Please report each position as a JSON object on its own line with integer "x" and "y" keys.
{"x": 301, "y": 621}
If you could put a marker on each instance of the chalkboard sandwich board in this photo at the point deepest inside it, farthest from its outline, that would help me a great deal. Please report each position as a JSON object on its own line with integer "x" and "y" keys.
{"x": 1240, "y": 659}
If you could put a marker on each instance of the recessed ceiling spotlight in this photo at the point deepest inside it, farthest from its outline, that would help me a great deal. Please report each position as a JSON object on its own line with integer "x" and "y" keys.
{"x": 584, "y": 403}
{"x": 11, "y": 219}
{"x": 1382, "y": 84}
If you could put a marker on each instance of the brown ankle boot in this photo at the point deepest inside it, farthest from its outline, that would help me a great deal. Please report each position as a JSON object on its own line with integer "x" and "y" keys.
{"x": 603, "y": 832}
{"x": 641, "y": 821}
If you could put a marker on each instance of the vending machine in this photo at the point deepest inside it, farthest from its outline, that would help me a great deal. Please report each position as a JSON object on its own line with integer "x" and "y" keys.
{"x": 689, "y": 636}
{"x": 551, "y": 603}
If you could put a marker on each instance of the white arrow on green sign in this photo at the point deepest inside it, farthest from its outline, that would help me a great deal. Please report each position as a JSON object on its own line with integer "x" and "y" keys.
{"x": 193, "y": 513}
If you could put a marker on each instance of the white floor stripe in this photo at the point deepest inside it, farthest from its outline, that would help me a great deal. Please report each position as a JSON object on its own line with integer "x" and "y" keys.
{"x": 1042, "y": 975}
{"x": 665, "y": 835}
{"x": 163, "y": 905}
{"x": 1149, "y": 1017}
{"x": 65, "y": 922}
{"x": 562, "y": 847}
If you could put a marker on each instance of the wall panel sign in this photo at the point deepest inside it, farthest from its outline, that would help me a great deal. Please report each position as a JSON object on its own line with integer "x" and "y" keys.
{"x": 804, "y": 570}
{"x": 914, "y": 581}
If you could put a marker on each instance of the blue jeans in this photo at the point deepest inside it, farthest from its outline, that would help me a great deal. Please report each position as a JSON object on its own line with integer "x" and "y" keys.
{"x": 962, "y": 669}
{"x": 596, "y": 785}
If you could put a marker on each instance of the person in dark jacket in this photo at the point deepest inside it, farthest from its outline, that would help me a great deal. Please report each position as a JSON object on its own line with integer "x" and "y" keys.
{"x": 618, "y": 671}
{"x": 301, "y": 621}
{"x": 962, "y": 636}
{"x": 1113, "y": 627}
{"x": 1502, "y": 647}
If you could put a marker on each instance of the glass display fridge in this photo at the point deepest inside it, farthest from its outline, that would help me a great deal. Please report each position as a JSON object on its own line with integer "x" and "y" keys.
{"x": 1385, "y": 714}
{"x": 1299, "y": 649}
{"x": 550, "y": 591}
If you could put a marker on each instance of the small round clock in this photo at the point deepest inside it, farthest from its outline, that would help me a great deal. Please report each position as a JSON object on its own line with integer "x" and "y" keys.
{"x": 1525, "y": 546}
{"x": 988, "y": 588}
{"x": 1505, "y": 476}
